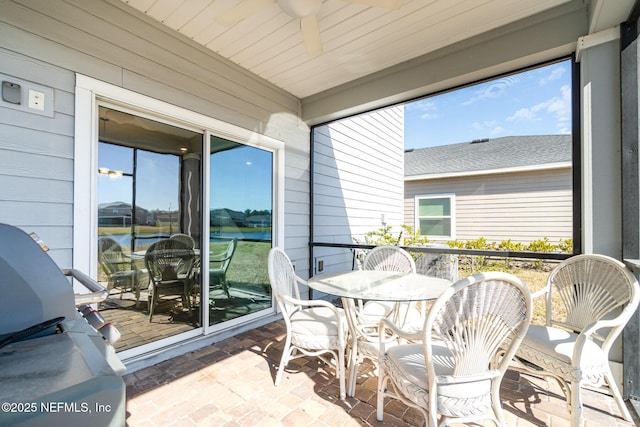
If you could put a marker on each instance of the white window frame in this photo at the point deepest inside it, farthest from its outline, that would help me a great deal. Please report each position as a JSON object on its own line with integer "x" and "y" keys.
{"x": 89, "y": 94}
{"x": 452, "y": 217}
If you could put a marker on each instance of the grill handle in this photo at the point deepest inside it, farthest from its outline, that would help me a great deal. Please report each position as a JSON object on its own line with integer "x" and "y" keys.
{"x": 98, "y": 292}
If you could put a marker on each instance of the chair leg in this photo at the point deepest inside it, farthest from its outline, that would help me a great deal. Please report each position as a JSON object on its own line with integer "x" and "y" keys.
{"x": 611, "y": 382}
{"x": 152, "y": 303}
{"x": 576, "y": 404}
{"x": 284, "y": 359}
{"x": 382, "y": 385}
{"x": 225, "y": 287}
{"x": 341, "y": 374}
{"x": 353, "y": 367}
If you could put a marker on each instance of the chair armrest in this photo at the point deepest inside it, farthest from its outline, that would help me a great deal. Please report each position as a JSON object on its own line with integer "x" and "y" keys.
{"x": 616, "y": 323}
{"x": 313, "y": 303}
{"x": 396, "y": 330}
{"x": 540, "y": 292}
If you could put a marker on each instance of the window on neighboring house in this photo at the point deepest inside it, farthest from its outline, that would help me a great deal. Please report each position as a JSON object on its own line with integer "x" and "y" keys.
{"x": 434, "y": 216}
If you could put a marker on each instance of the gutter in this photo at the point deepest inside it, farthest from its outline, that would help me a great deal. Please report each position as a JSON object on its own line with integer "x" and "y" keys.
{"x": 516, "y": 169}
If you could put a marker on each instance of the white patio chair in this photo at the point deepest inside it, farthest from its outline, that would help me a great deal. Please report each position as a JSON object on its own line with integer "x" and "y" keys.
{"x": 384, "y": 258}
{"x": 469, "y": 337}
{"x": 599, "y": 295}
{"x": 365, "y": 315}
{"x": 314, "y": 327}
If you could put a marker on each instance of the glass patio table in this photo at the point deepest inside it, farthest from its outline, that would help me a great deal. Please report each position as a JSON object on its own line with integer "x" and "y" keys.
{"x": 374, "y": 285}
{"x": 380, "y": 285}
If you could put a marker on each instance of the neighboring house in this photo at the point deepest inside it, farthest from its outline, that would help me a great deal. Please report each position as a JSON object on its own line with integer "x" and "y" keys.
{"x": 119, "y": 214}
{"x": 517, "y": 188}
{"x": 224, "y": 216}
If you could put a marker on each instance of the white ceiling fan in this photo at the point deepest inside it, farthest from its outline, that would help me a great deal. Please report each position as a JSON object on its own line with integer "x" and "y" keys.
{"x": 305, "y": 10}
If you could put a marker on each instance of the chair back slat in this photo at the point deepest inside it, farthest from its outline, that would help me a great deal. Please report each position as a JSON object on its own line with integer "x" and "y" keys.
{"x": 282, "y": 277}
{"x": 478, "y": 317}
{"x": 111, "y": 257}
{"x": 389, "y": 258}
{"x": 591, "y": 288}
{"x": 167, "y": 259}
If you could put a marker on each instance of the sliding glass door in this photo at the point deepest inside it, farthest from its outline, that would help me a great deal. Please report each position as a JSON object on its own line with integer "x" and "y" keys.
{"x": 149, "y": 190}
{"x": 150, "y": 186}
{"x": 240, "y": 219}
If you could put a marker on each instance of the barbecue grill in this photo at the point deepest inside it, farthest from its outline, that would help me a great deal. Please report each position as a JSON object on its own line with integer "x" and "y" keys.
{"x": 57, "y": 364}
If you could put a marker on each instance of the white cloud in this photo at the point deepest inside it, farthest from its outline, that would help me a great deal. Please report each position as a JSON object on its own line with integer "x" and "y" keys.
{"x": 425, "y": 108}
{"x": 559, "y": 107}
{"x": 489, "y": 127}
{"x": 525, "y": 114}
{"x": 554, "y": 74}
{"x": 487, "y": 124}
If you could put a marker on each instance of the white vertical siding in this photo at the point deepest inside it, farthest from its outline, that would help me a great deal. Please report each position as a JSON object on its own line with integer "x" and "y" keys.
{"x": 48, "y": 42}
{"x": 358, "y": 178}
{"x": 519, "y": 206}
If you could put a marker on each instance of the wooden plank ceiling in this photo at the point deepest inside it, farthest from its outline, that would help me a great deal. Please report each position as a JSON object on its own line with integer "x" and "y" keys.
{"x": 357, "y": 39}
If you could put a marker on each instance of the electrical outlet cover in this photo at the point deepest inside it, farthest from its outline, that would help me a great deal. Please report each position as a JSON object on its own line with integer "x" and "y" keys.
{"x": 11, "y": 92}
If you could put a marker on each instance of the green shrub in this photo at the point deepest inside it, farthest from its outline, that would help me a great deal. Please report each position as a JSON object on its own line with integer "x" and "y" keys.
{"x": 410, "y": 237}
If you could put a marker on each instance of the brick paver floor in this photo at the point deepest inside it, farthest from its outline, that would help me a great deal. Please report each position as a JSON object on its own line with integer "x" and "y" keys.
{"x": 231, "y": 383}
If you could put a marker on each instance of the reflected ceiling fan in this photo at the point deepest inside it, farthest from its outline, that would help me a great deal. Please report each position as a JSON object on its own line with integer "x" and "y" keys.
{"x": 305, "y": 10}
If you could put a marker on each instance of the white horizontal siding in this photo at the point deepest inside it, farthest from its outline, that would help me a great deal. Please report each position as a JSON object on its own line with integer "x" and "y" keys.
{"x": 358, "y": 178}
{"x": 517, "y": 206}
{"x": 49, "y": 42}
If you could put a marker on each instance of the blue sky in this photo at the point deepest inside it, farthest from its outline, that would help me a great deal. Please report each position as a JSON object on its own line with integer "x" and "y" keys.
{"x": 536, "y": 102}
{"x": 241, "y": 177}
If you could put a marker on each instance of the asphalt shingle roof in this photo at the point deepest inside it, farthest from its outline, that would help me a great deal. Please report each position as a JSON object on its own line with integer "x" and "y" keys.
{"x": 497, "y": 153}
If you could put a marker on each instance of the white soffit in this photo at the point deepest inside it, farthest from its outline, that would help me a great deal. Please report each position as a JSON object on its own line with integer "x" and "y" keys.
{"x": 358, "y": 39}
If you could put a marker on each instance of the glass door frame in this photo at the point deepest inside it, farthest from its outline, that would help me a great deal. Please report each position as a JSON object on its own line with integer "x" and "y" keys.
{"x": 89, "y": 94}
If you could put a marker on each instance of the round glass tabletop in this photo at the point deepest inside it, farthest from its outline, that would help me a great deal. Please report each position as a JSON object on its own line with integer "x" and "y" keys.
{"x": 380, "y": 285}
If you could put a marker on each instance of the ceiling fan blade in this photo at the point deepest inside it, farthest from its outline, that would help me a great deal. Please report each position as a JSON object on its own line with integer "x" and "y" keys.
{"x": 385, "y": 4}
{"x": 311, "y": 35}
{"x": 243, "y": 10}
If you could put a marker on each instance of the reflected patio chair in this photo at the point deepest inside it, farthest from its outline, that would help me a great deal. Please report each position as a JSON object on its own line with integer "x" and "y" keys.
{"x": 219, "y": 262}
{"x": 599, "y": 295}
{"x": 314, "y": 327}
{"x": 467, "y": 342}
{"x": 184, "y": 238}
{"x": 121, "y": 271}
{"x": 170, "y": 264}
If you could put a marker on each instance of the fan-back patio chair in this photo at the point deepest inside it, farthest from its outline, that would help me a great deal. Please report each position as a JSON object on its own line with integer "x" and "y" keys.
{"x": 366, "y": 315}
{"x": 314, "y": 327}
{"x": 219, "y": 262}
{"x": 469, "y": 337}
{"x": 121, "y": 271}
{"x": 170, "y": 264}
{"x": 385, "y": 258}
{"x": 184, "y": 238}
{"x": 599, "y": 294}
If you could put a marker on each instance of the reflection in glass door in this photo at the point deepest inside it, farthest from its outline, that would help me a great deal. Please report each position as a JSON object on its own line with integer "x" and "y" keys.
{"x": 240, "y": 217}
{"x": 149, "y": 191}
